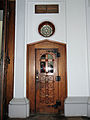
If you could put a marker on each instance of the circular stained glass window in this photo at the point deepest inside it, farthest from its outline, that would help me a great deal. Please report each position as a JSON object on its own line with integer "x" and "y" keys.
{"x": 46, "y": 29}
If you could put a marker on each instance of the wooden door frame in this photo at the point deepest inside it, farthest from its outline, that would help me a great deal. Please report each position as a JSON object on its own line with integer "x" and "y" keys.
{"x": 31, "y": 55}
{"x": 10, "y": 45}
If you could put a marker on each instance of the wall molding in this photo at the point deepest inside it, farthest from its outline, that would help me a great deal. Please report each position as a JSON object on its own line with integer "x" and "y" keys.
{"x": 77, "y": 106}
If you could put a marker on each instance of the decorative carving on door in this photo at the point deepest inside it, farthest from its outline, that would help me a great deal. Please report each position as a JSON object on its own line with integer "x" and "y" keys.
{"x": 47, "y": 89}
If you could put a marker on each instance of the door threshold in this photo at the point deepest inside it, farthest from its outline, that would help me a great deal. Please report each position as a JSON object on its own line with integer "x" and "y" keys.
{"x": 46, "y": 114}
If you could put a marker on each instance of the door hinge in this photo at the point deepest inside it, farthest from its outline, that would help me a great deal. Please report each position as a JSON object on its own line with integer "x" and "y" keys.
{"x": 55, "y": 51}
{"x": 58, "y": 78}
{"x": 58, "y": 103}
{"x": 57, "y": 54}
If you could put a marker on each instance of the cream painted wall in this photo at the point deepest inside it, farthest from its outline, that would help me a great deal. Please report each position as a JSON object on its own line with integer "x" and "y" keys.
{"x": 70, "y": 26}
{"x": 88, "y": 36}
{"x": 77, "y": 48}
{"x": 33, "y": 20}
{"x": 19, "y": 62}
{"x": 1, "y": 25}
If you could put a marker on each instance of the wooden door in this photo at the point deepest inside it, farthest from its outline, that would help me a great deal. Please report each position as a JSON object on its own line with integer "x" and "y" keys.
{"x": 46, "y": 77}
{"x": 46, "y": 84}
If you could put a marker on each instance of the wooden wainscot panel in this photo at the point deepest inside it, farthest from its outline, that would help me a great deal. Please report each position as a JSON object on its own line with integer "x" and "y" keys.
{"x": 11, "y": 40}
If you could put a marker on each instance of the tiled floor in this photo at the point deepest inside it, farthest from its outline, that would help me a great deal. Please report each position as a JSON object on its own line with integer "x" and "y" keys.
{"x": 49, "y": 117}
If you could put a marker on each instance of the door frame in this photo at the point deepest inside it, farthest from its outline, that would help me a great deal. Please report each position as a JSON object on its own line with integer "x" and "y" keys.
{"x": 30, "y": 73}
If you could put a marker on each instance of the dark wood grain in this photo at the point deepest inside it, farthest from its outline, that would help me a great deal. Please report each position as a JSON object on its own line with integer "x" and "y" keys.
{"x": 3, "y": 64}
{"x": 31, "y": 77}
{"x": 11, "y": 40}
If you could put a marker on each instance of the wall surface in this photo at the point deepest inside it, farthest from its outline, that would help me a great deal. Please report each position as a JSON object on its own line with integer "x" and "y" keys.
{"x": 19, "y": 49}
{"x": 88, "y": 36}
{"x": 77, "y": 48}
{"x": 70, "y": 26}
{"x": 33, "y": 21}
{"x": 1, "y": 24}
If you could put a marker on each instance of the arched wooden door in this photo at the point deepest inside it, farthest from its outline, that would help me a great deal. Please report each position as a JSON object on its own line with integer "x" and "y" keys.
{"x": 46, "y": 77}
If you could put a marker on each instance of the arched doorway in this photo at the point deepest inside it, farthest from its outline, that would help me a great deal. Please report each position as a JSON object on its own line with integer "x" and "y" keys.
{"x": 46, "y": 77}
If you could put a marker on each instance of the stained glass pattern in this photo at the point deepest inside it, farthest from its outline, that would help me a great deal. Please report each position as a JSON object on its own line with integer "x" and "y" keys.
{"x": 46, "y": 63}
{"x": 46, "y": 29}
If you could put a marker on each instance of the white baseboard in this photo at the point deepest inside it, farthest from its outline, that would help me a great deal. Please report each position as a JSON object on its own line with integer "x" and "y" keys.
{"x": 77, "y": 106}
{"x": 18, "y": 108}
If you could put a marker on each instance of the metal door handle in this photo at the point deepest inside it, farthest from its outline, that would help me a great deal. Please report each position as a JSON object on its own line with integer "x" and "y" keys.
{"x": 37, "y": 76}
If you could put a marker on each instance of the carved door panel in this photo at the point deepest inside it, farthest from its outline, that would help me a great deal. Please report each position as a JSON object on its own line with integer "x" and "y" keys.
{"x": 46, "y": 84}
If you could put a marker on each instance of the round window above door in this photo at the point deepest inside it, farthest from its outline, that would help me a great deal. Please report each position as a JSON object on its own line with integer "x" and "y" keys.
{"x": 46, "y": 29}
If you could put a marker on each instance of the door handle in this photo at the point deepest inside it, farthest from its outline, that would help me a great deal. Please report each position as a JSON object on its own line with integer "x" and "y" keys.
{"x": 37, "y": 76}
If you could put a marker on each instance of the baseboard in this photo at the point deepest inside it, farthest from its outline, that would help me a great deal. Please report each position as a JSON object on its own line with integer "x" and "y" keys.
{"x": 77, "y": 106}
{"x": 18, "y": 108}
